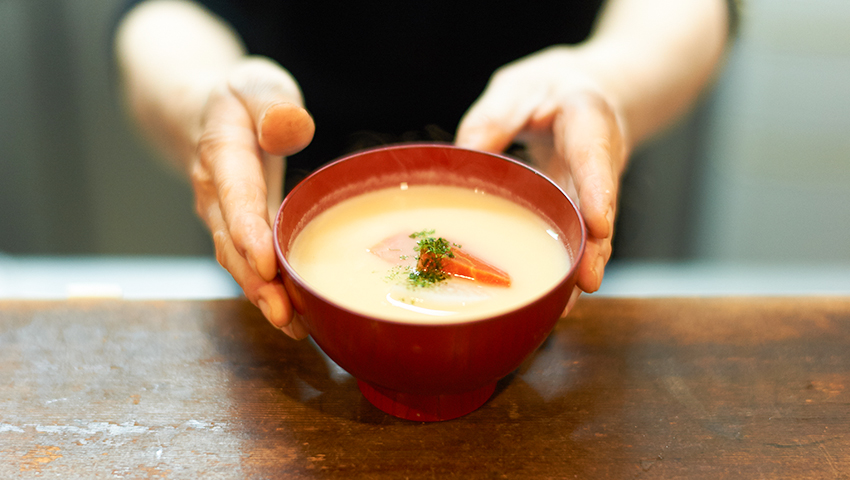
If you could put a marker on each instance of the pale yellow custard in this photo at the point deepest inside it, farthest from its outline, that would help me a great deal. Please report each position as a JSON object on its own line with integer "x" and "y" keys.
{"x": 334, "y": 253}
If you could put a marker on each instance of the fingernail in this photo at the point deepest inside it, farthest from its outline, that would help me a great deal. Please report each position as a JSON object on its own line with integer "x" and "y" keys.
{"x": 609, "y": 216}
{"x": 299, "y": 330}
{"x": 287, "y": 329}
{"x": 266, "y": 309}
{"x": 599, "y": 270}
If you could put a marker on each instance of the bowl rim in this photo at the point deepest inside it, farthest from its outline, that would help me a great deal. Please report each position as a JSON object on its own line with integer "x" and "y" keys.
{"x": 284, "y": 263}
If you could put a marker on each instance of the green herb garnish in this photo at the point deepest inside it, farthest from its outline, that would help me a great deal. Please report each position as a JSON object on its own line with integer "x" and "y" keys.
{"x": 422, "y": 234}
{"x": 431, "y": 252}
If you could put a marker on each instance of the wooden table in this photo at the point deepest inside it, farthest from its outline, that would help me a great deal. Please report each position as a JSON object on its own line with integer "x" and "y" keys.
{"x": 623, "y": 388}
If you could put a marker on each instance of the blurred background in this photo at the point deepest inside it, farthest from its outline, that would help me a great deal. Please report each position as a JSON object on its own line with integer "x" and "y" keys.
{"x": 759, "y": 171}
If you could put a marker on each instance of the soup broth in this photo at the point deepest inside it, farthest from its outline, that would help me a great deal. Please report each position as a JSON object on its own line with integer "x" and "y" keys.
{"x": 363, "y": 254}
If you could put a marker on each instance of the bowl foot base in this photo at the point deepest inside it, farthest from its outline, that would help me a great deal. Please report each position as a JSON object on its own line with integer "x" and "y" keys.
{"x": 425, "y": 408}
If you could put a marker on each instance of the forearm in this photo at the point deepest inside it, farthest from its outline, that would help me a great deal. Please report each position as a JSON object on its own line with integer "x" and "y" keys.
{"x": 170, "y": 54}
{"x": 654, "y": 57}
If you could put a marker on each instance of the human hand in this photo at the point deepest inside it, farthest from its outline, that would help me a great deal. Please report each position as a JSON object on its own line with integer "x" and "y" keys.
{"x": 252, "y": 118}
{"x": 552, "y": 102}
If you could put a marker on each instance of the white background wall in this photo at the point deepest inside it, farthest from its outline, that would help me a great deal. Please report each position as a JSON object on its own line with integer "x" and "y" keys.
{"x": 73, "y": 178}
{"x": 776, "y": 178}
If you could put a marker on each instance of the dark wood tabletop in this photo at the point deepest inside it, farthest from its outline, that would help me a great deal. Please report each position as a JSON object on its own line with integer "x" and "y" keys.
{"x": 696, "y": 388}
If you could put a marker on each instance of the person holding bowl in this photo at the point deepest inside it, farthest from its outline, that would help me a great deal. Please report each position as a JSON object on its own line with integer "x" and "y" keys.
{"x": 238, "y": 94}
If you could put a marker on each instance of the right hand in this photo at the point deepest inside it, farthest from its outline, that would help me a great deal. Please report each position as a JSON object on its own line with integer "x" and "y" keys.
{"x": 573, "y": 130}
{"x": 252, "y": 119}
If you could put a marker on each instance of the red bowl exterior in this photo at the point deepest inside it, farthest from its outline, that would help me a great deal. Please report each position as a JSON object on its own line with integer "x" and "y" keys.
{"x": 432, "y": 359}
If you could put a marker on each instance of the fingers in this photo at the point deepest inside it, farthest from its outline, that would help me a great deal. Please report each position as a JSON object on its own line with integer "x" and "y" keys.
{"x": 237, "y": 176}
{"x": 285, "y": 128}
{"x": 597, "y": 252}
{"x": 229, "y": 177}
{"x": 274, "y": 167}
{"x": 229, "y": 158}
{"x": 296, "y": 329}
{"x": 588, "y": 142}
{"x": 588, "y": 138}
{"x": 269, "y": 296}
{"x": 274, "y": 103}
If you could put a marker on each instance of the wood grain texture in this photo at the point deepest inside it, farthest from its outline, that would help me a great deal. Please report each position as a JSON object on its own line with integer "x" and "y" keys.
{"x": 624, "y": 388}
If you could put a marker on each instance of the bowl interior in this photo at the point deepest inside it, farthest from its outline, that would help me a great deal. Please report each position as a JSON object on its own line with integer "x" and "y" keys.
{"x": 427, "y": 164}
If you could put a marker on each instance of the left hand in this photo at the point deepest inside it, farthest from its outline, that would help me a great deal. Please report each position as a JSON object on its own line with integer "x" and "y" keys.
{"x": 573, "y": 130}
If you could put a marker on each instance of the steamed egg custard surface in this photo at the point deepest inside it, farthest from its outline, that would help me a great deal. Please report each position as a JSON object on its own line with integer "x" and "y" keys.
{"x": 429, "y": 254}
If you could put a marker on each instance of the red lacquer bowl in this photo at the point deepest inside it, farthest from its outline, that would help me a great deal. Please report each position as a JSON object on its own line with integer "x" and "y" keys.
{"x": 436, "y": 371}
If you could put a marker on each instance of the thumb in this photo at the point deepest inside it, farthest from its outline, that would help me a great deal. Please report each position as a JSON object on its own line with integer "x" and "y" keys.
{"x": 274, "y": 101}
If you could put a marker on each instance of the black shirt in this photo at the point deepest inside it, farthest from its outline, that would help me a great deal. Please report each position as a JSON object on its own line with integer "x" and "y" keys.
{"x": 384, "y": 71}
